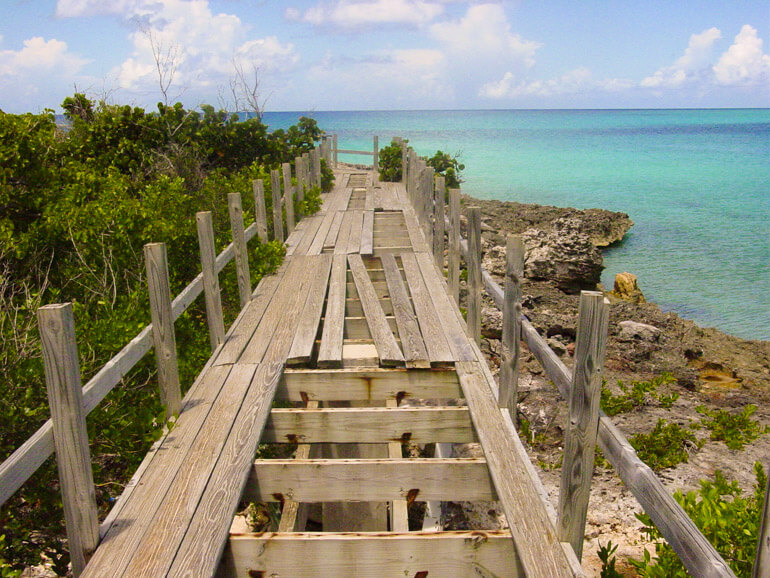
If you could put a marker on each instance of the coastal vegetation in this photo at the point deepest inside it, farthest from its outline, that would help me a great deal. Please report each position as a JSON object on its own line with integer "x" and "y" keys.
{"x": 78, "y": 200}
{"x": 442, "y": 163}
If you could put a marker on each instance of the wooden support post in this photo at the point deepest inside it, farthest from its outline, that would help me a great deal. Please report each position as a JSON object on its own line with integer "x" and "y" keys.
{"x": 288, "y": 196}
{"x": 210, "y": 279}
{"x": 156, "y": 264}
{"x": 376, "y": 156}
{"x": 260, "y": 214}
{"x": 404, "y": 162}
{"x": 762, "y": 560}
{"x": 438, "y": 221}
{"x": 73, "y": 459}
{"x": 241, "y": 251}
{"x": 454, "y": 244}
{"x": 509, "y": 369}
{"x": 275, "y": 191}
{"x": 315, "y": 157}
{"x": 474, "y": 274}
{"x": 428, "y": 187}
{"x": 299, "y": 164}
{"x": 583, "y": 423}
{"x": 336, "y": 148}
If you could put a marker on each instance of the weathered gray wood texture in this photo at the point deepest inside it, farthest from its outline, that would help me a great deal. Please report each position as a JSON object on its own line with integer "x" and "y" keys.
{"x": 511, "y": 338}
{"x": 241, "y": 252}
{"x": 213, "y": 297}
{"x": 65, "y": 399}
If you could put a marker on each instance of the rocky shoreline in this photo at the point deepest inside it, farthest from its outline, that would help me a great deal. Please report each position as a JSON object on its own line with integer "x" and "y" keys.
{"x": 711, "y": 368}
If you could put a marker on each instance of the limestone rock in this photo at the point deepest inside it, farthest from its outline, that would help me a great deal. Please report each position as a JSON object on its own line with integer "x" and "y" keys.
{"x": 627, "y": 289}
{"x": 564, "y": 255}
{"x": 633, "y": 330}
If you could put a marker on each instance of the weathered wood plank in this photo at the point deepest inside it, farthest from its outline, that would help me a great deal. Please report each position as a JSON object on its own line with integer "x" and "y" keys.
{"x": 580, "y": 435}
{"x": 387, "y": 348}
{"x": 304, "y": 339}
{"x": 438, "y": 221}
{"x": 367, "y": 234}
{"x": 433, "y": 334}
{"x": 73, "y": 458}
{"x": 239, "y": 242}
{"x": 415, "y": 231}
{"x": 156, "y": 264}
{"x": 211, "y": 292}
{"x": 137, "y": 513}
{"x": 372, "y": 555}
{"x": 399, "y": 514}
{"x": 330, "y": 349}
{"x": 369, "y": 384}
{"x": 762, "y": 559}
{"x": 323, "y": 230}
{"x": 511, "y": 342}
{"x": 334, "y": 230}
{"x": 370, "y": 480}
{"x": 448, "y": 313}
{"x": 370, "y": 425}
{"x": 356, "y": 229}
{"x": 533, "y": 533}
{"x": 415, "y": 353}
{"x": 155, "y": 553}
{"x": 343, "y": 237}
{"x": 309, "y": 227}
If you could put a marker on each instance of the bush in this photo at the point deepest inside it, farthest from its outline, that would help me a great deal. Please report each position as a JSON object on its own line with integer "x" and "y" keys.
{"x": 76, "y": 207}
{"x": 665, "y": 446}
{"x": 726, "y": 518}
{"x": 390, "y": 157}
{"x": 736, "y": 430}
{"x": 640, "y": 393}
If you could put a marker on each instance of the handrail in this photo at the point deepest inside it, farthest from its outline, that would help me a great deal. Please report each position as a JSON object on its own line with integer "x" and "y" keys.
{"x": 28, "y": 457}
{"x": 697, "y": 554}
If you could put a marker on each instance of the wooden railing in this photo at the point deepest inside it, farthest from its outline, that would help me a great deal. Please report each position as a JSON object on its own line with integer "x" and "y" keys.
{"x": 336, "y": 151}
{"x": 70, "y": 403}
{"x": 587, "y": 424}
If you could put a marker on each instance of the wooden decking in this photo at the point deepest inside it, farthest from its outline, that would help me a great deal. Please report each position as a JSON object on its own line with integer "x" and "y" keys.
{"x": 356, "y": 322}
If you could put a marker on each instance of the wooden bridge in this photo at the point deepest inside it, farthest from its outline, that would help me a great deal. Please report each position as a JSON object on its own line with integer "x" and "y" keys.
{"x": 351, "y": 335}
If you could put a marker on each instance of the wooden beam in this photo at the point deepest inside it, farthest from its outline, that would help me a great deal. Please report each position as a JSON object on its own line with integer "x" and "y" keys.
{"x": 211, "y": 292}
{"x": 412, "y": 343}
{"x": 241, "y": 251}
{"x": 275, "y": 193}
{"x": 288, "y": 196}
{"x": 330, "y": 350}
{"x": 307, "y": 328}
{"x": 73, "y": 459}
{"x": 511, "y": 342}
{"x": 372, "y": 480}
{"x": 474, "y": 274}
{"x": 580, "y": 436}
{"x": 372, "y": 554}
{"x": 370, "y": 425}
{"x": 387, "y": 348}
{"x": 454, "y": 244}
{"x": 260, "y": 215}
{"x": 368, "y": 384}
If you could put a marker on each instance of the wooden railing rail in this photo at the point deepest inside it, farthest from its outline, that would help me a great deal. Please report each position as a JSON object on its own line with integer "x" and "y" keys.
{"x": 697, "y": 554}
{"x": 374, "y": 153}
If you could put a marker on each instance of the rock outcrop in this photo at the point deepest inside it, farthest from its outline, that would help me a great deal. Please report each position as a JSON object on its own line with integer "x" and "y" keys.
{"x": 627, "y": 289}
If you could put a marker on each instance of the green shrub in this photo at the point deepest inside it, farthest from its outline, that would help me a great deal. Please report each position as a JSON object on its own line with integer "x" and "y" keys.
{"x": 665, "y": 446}
{"x": 606, "y": 554}
{"x": 640, "y": 393}
{"x": 449, "y": 166}
{"x": 736, "y": 430}
{"x": 727, "y": 518}
{"x": 390, "y": 163}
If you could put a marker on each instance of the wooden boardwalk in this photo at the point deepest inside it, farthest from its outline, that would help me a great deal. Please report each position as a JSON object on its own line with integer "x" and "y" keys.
{"x": 356, "y": 322}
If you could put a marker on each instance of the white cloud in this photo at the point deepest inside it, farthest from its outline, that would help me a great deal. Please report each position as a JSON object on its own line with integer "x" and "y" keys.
{"x": 572, "y": 82}
{"x": 693, "y": 64}
{"x": 42, "y": 56}
{"x": 484, "y": 36}
{"x": 744, "y": 62}
{"x": 357, "y": 13}
{"x": 77, "y": 8}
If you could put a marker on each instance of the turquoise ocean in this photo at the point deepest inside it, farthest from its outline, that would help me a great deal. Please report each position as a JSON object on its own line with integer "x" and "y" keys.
{"x": 696, "y": 183}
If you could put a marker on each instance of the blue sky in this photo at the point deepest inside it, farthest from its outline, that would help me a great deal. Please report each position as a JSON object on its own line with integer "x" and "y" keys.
{"x": 388, "y": 54}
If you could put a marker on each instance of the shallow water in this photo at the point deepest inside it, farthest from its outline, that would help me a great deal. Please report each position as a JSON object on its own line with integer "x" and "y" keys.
{"x": 695, "y": 182}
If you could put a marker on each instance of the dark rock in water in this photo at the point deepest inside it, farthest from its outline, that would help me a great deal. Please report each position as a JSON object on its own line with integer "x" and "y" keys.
{"x": 565, "y": 255}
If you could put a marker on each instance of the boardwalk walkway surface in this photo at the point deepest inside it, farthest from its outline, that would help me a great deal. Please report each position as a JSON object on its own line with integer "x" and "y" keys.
{"x": 356, "y": 322}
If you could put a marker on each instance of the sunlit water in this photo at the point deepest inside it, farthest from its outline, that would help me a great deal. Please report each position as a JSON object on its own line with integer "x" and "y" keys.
{"x": 696, "y": 183}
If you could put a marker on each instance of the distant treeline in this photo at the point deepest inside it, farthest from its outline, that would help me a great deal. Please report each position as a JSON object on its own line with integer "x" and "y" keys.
{"x": 76, "y": 207}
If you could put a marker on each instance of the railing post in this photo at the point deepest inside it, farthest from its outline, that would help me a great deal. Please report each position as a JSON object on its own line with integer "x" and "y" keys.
{"x": 336, "y": 148}
{"x": 509, "y": 368}
{"x": 454, "y": 244}
{"x": 275, "y": 191}
{"x": 428, "y": 188}
{"x": 315, "y": 158}
{"x": 211, "y": 292}
{"x": 438, "y": 221}
{"x": 156, "y": 263}
{"x": 404, "y": 162}
{"x": 762, "y": 560}
{"x": 299, "y": 164}
{"x": 474, "y": 274}
{"x": 583, "y": 423}
{"x": 239, "y": 244}
{"x": 260, "y": 213}
{"x": 288, "y": 196}
{"x": 375, "y": 155}
{"x": 65, "y": 398}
